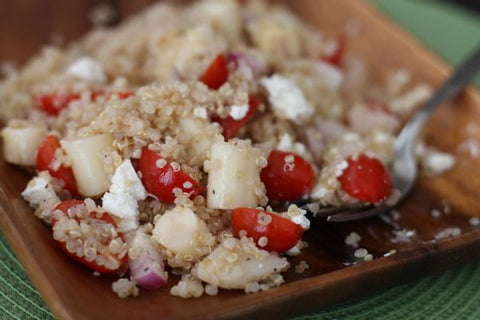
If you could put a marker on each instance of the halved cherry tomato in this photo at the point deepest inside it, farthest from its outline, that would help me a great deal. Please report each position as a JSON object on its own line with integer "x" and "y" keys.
{"x": 53, "y": 103}
{"x": 366, "y": 179}
{"x": 281, "y": 233}
{"x": 287, "y": 176}
{"x": 335, "y": 57}
{"x": 161, "y": 181}
{"x": 93, "y": 220}
{"x": 216, "y": 73}
{"x": 231, "y": 126}
{"x": 46, "y": 156}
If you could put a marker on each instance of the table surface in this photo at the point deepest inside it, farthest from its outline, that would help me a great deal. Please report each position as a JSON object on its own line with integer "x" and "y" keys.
{"x": 451, "y": 32}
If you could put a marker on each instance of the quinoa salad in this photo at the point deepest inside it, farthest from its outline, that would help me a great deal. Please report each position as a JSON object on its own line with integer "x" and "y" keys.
{"x": 182, "y": 141}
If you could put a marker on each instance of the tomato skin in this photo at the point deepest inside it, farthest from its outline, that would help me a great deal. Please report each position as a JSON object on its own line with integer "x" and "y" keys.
{"x": 45, "y": 156}
{"x": 53, "y": 103}
{"x": 231, "y": 126}
{"x": 216, "y": 74}
{"x": 105, "y": 217}
{"x": 285, "y": 181}
{"x": 161, "y": 181}
{"x": 335, "y": 58}
{"x": 366, "y": 179}
{"x": 282, "y": 233}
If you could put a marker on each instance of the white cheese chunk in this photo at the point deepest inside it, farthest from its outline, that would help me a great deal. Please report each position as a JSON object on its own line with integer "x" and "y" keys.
{"x": 297, "y": 216}
{"x": 124, "y": 207}
{"x": 181, "y": 231}
{"x": 236, "y": 263}
{"x": 38, "y": 190}
{"x": 435, "y": 162}
{"x": 239, "y": 112}
{"x": 125, "y": 190}
{"x": 287, "y": 99}
{"x": 302, "y": 221}
{"x": 126, "y": 181}
{"x": 89, "y": 69}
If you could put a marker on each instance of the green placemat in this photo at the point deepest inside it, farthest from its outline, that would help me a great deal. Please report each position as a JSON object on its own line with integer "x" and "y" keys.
{"x": 451, "y": 32}
{"x": 18, "y": 298}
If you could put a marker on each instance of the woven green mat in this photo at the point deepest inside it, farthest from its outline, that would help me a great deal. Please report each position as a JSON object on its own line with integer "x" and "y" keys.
{"x": 447, "y": 30}
{"x": 18, "y": 298}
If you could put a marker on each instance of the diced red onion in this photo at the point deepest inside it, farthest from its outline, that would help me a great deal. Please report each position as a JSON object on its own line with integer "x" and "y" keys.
{"x": 147, "y": 269}
{"x": 315, "y": 142}
{"x": 331, "y": 75}
{"x": 355, "y": 79}
{"x": 330, "y": 129}
{"x": 364, "y": 120}
{"x": 250, "y": 65}
{"x": 176, "y": 75}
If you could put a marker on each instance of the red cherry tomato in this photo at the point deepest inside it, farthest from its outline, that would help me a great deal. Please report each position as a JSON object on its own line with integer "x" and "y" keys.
{"x": 231, "y": 126}
{"x": 287, "y": 176}
{"x": 216, "y": 74}
{"x": 161, "y": 181}
{"x": 53, "y": 103}
{"x": 336, "y": 56}
{"x": 93, "y": 220}
{"x": 281, "y": 233}
{"x": 46, "y": 156}
{"x": 366, "y": 179}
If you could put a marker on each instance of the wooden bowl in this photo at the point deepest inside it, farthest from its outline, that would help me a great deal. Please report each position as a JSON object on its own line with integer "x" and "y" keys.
{"x": 72, "y": 292}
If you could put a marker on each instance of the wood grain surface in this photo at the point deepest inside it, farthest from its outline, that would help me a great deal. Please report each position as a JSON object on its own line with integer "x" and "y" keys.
{"x": 72, "y": 292}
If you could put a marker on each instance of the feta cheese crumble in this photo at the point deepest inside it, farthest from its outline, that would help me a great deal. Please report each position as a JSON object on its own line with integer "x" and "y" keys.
{"x": 353, "y": 239}
{"x": 123, "y": 206}
{"x": 403, "y": 235}
{"x": 39, "y": 189}
{"x": 435, "y": 162}
{"x": 87, "y": 68}
{"x": 297, "y": 216}
{"x": 287, "y": 99}
{"x": 121, "y": 200}
{"x": 126, "y": 181}
{"x": 474, "y": 221}
{"x": 239, "y": 112}
{"x": 339, "y": 167}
